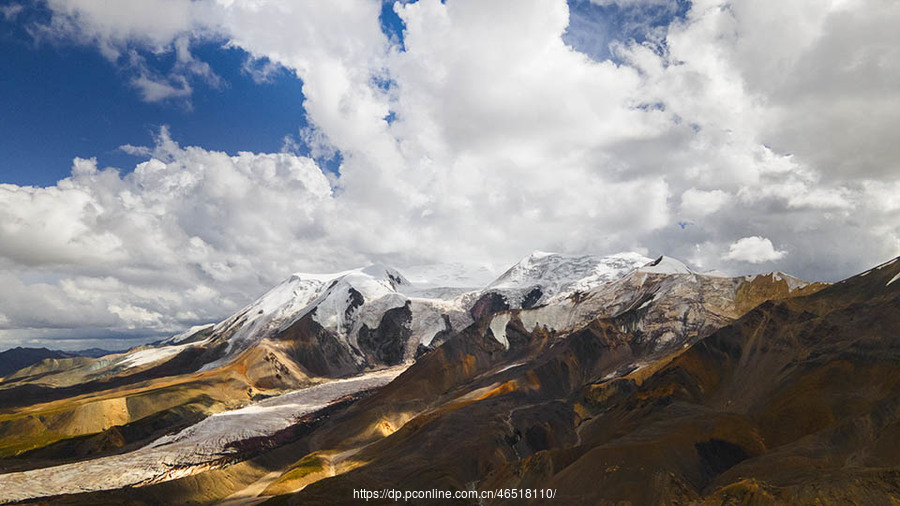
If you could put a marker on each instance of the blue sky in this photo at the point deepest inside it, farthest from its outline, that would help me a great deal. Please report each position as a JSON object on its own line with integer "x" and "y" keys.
{"x": 62, "y": 100}
{"x": 593, "y": 27}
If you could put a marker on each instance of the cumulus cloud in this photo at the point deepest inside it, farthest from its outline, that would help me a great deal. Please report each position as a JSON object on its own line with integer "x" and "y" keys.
{"x": 112, "y": 27}
{"x": 754, "y": 250}
{"x": 185, "y": 234}
{"x": 697, "y": 203}
{"x": 482, "y": 137}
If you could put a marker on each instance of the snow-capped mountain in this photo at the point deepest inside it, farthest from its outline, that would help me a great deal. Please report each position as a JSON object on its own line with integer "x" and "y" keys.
{"x": 346, "y": 309}
{"x": 452, "y": 275}
{"x": 662, "y": 304}
{"x": 342, "y": 323}
{"x": 376, "y": 316}
{"x": 552, "y": 325}
{"x": 541, "y": 276}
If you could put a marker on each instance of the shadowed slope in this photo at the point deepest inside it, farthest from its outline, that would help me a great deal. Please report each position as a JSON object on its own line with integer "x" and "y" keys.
{"x": 797, "y": 401}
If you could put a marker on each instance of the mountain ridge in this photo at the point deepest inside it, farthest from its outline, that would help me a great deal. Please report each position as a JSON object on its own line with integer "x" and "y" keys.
{"x": 626, "y": 312}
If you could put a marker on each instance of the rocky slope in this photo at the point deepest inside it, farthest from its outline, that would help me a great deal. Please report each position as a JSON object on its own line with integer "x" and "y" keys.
{"x": 795, "y": 402}
{"x": 522, "y": 345}
{"x": 213, "y": 442}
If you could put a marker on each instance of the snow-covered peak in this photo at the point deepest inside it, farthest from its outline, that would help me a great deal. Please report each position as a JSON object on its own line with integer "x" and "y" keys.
{"x": 561, "y": 270}
{"x": 666, "y": 265}
{"x": 302, "y": 289}
{"x": 335, "y": 298}
{"x": 384, "y": 273}
{"x": 541, "y": 276}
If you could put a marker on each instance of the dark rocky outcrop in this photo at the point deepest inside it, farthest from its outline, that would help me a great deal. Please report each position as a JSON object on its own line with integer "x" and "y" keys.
{"x": 532, "y": 297}
{"x": 386, "y": 343}
{"x": 489, "y": 303}
{"x": 319, "y": 350}
{"x": 796, "y": 402}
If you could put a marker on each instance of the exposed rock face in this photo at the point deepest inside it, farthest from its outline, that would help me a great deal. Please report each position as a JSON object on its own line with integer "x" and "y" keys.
{"x": 795, "y": 402}
{"x": 319, "y": 351}
{"x": 489, "y": 303}
{"x": 386, "y": 343}
{"x": 511, "y": 373}
{"x": 531, "y": 298}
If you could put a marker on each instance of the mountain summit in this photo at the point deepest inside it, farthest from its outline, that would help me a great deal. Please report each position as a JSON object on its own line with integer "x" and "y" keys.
{"x": 314, "y": 366}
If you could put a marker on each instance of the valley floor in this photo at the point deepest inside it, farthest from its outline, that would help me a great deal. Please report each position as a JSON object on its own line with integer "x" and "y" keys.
{"x": 205, "y": 445}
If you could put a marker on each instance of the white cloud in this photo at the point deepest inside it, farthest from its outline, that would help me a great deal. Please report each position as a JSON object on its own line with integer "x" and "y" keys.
{"x": 757, "y": 128}
{"x": 754, "y": 250}
{"x": 697, "y": 203}
{"x": 122, "y": 30}
{"x": 116, "y": 25}
{"x": 261, "y": 70}
{"x": 189, "y": 231}
{"x": 154, "y": 89}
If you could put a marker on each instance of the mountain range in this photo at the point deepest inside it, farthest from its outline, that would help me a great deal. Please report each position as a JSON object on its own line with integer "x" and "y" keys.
{"x": 606, "y": 379}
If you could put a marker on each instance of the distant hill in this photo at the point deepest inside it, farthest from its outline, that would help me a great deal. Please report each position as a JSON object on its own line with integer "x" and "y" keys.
{"x": 92, "y": 352}
{"x": 16, "y": 358}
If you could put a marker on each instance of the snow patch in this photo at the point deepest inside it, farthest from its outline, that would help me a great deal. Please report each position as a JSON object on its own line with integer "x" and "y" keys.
{"x": 625, "y": 370}
{"x": 791, "y": 282}
{"x": 794, "y": 283}
{"x": 510, "y": 366}
{"x": 498, "y": 328}
{"x": 665, "y": 265}
{"x": 558, "y": 316}
{"x": 151, "y": 355}
{"x": 187, "y": 333}
{"x": 888, "y": 263}
{"x": 895, "y": 278}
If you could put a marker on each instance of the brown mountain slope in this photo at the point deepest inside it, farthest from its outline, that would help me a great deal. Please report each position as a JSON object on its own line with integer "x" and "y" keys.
{"x": 796, "y": 402}
{"x": 517, "y": 385}
{"x": 42, "y": 425}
